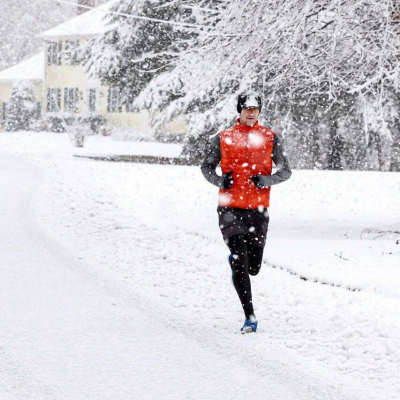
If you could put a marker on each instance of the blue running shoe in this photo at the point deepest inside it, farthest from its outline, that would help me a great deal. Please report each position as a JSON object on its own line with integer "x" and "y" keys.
{"x": 230, "y": 263}
{"x": 250, "y": 325}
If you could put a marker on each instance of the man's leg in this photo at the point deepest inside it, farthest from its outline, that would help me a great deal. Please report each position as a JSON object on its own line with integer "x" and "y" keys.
{"x": 240, "y": 264}
{"x": 254, "y": 255}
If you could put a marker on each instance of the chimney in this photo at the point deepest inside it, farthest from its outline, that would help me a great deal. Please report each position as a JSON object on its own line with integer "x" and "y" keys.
{"x": 86, "y": 3}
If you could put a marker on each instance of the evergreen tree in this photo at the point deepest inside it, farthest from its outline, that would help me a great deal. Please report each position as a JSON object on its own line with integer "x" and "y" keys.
{"x": 140, "y": 56}
{"x": 206, "y": 109}
{"x": 134, "y": 50}
{"x": 21, "y": 108}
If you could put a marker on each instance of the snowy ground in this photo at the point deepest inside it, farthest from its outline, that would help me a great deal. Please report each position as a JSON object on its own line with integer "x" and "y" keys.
{"x": 115, "y": 283}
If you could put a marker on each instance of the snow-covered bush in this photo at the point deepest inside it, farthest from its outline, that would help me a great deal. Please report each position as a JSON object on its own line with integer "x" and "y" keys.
{"x": 58, "y": 122}
{"x": 76, "y": 134}
{"x": 355, "y": 133}
{"x": 95, "y": 122}
{"x": 54, "y": 123}
{"x": 366, "y": 134}
{"x": 21, "y": 108}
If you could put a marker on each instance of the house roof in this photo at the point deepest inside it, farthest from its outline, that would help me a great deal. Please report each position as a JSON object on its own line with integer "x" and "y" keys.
{"x": 90, "y": 23}
{"x": 30, "y": 69}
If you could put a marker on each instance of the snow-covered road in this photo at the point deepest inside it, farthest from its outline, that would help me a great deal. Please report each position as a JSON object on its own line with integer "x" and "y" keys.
{"x": 115, "y": 285}
{"x": 67, "y": 332}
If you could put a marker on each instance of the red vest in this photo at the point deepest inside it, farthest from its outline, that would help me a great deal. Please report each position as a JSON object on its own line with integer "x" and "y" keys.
{"x": 246, "y": 151}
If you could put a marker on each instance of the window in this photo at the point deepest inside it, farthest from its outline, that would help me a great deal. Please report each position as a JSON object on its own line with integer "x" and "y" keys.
{"x": 54, "y": 53}
{"x": 92, "y": 100}
{"x": 130, "y": 98}
{"x": 71, "y": 100}
{"x": 4, "y": 112}
{"x": 37, "y": 113}
{"x": 53, "y": 100}
{"x": 71, "y": 52}
{"x": 114, "y": 99}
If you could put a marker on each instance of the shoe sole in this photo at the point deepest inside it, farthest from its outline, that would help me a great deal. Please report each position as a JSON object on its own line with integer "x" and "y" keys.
{"x": 248, "y": 329}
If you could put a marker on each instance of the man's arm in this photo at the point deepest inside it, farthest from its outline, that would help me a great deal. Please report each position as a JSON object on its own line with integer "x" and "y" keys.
{"x": 279, "y": 158}
{"x": 211, "y": 161}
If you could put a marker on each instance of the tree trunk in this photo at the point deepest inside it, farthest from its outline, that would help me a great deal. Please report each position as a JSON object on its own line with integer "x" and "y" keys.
{"x": 395, "y": 150}
{"x": 337, "y": 145}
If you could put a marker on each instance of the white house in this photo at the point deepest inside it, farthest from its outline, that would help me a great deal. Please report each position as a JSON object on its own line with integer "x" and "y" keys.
{"x": 65, "y": 88}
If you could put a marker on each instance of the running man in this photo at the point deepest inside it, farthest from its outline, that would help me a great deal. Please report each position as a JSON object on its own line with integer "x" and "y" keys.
{"x": 246, "y": 152}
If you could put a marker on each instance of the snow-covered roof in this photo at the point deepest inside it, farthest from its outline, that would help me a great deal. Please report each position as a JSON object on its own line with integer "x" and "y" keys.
{"x": 30, "y": 69}
{"x": 90, "y": 23}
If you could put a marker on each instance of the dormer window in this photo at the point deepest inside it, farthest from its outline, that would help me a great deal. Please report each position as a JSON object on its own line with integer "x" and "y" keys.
{"x": 71, "y": 52}
{"x": 54, "y": 50}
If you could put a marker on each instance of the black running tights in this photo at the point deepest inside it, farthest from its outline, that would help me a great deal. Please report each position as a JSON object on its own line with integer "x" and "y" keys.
{"x": 246, "y": 260}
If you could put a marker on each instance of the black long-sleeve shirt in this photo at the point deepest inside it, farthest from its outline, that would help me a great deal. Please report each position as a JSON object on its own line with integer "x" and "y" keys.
{"x": 213, "y": 158}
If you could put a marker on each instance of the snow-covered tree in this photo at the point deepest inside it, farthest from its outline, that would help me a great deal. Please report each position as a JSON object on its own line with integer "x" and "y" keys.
{"x": 206, "y": 108}
{"x": 312, "y": 46}
{"x": 305, "y": 54}
{"x": 314, "y": 61}
{"x": 137, "y": 48}
{"x": 21, "y": 108}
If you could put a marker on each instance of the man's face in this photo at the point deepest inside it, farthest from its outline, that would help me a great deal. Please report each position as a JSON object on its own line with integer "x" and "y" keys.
{"x": 249, "y": 116}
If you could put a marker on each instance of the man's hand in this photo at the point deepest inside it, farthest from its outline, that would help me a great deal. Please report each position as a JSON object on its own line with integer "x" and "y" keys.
{"x": 257, "y": 181}
{"x": 228, "y": 180}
